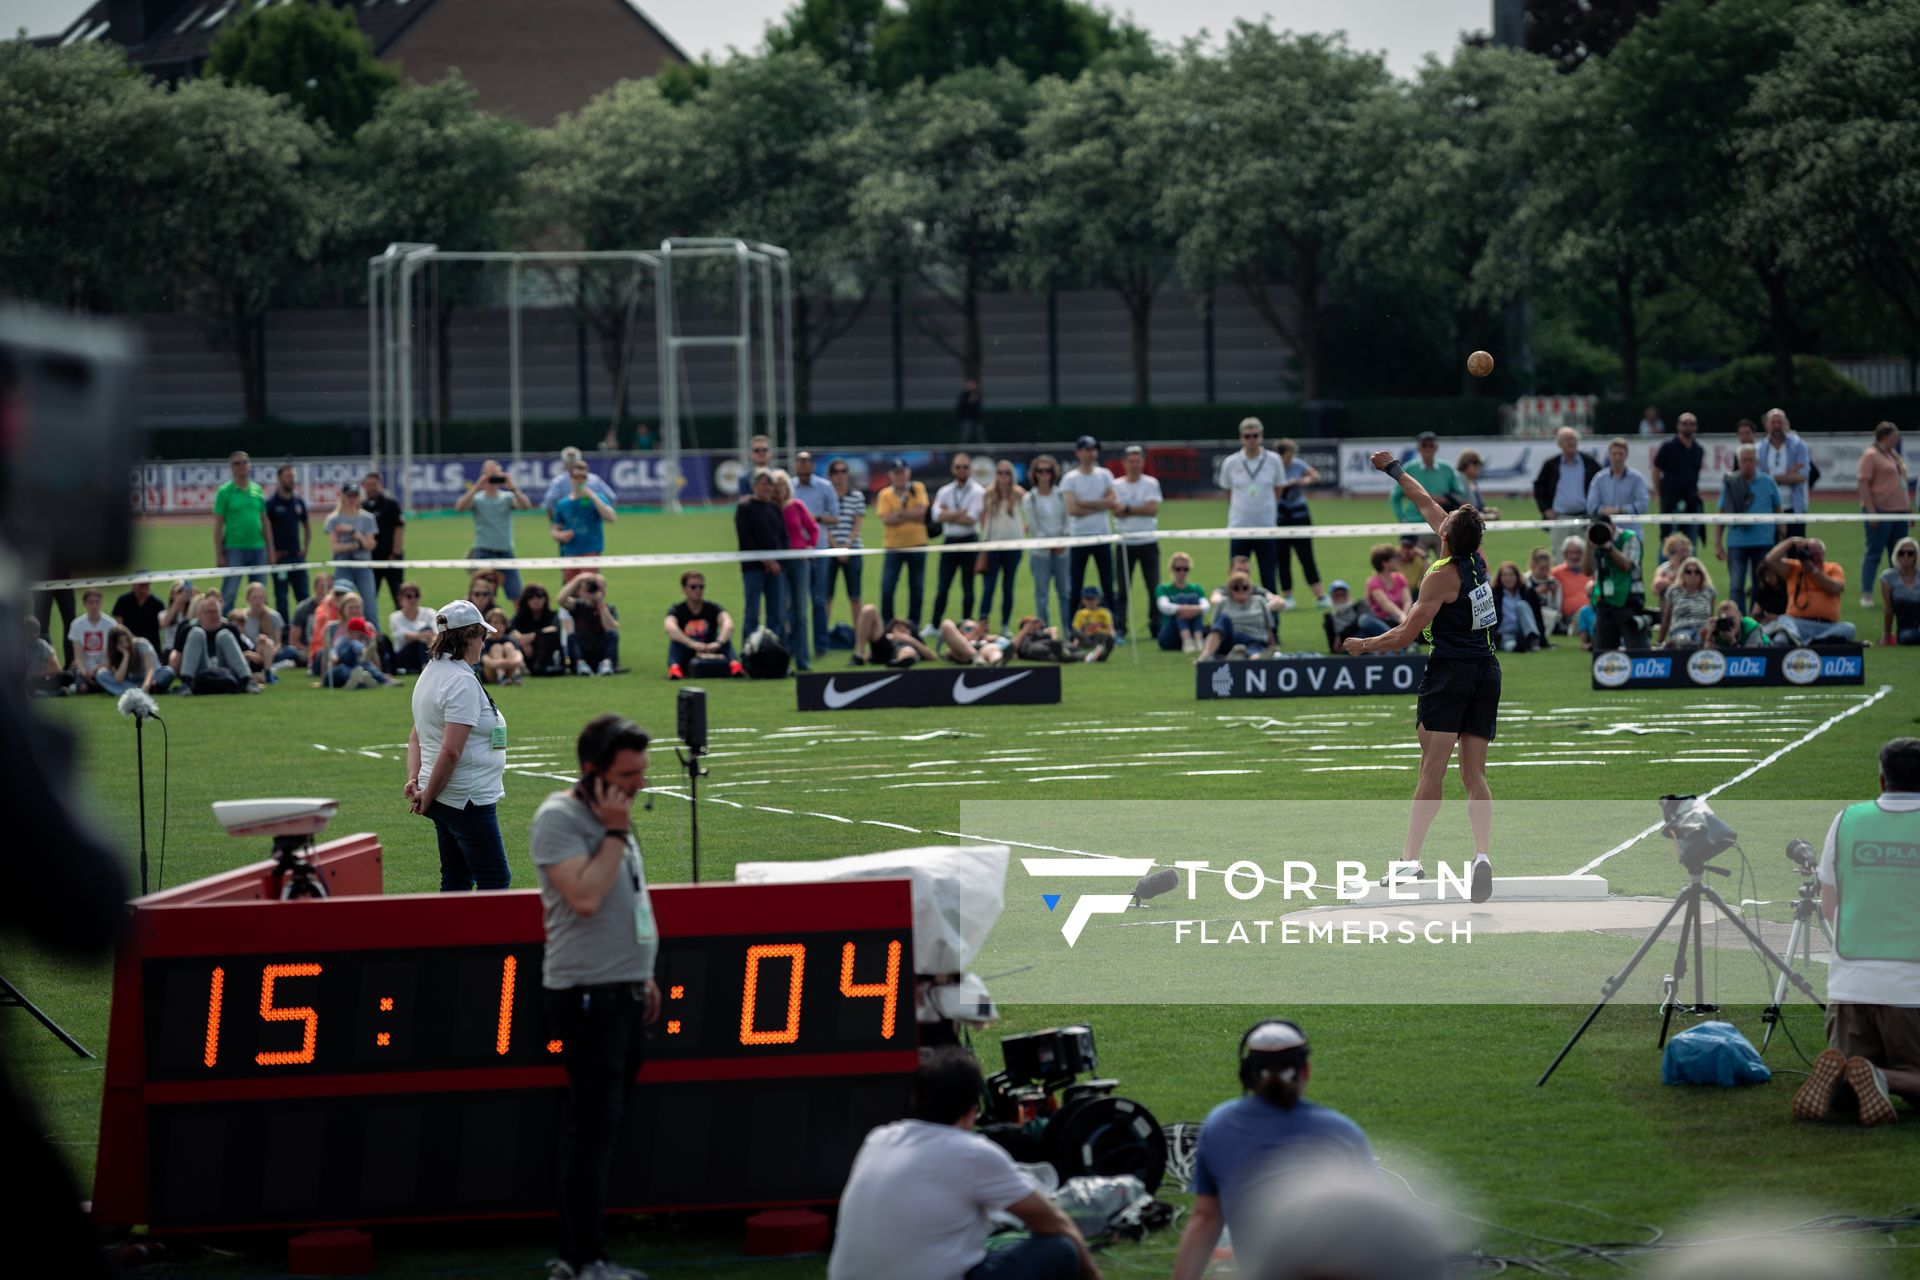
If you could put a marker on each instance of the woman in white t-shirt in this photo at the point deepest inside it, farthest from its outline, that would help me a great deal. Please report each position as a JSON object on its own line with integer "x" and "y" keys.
{"x": 1045, "y": 508}
{"x": 457, "y": 754}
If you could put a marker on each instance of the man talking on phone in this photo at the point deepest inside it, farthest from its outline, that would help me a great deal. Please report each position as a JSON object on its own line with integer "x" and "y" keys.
{"x": 598, "y": 973}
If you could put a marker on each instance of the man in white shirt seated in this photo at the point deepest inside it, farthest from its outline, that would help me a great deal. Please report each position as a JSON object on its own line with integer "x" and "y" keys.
{"x": 1870, "y": 896}
{"x": 918, "y": 1197}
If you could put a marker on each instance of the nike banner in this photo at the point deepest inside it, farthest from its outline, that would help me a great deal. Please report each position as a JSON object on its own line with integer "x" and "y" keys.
{"x": 1309, "y": 676}
{"x": 928, "y": 686}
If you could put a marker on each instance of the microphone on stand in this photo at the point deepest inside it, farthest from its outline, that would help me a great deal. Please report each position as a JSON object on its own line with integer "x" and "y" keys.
{"x": 139, "y": 704}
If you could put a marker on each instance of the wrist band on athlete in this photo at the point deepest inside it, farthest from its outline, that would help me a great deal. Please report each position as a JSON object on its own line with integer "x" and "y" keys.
{"x": 1395, "y": 470}
{"x": 621, "y": 836}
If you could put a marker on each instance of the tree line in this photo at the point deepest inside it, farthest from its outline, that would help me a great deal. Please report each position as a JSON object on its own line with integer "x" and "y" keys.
{"x": 1731, "y": 181}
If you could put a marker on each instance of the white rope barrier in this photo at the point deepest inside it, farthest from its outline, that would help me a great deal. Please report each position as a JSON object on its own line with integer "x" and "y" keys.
{"x": 689, "y": 558}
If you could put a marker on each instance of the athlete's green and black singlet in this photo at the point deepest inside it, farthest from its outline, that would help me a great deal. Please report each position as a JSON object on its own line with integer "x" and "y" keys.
{"x": 1463, "y": 628}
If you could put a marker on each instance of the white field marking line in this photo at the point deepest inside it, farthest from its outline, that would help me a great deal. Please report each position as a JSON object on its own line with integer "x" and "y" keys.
{"x": 1214, "y": 773}
{"x": 1748, "y": 772}
{"x": 1361, "y": 768}
{"x": 1073, "y": 777}
{"x": 896, "y": 826}
{"x": 830, "y": 817}
{"x": 977, "y": 782}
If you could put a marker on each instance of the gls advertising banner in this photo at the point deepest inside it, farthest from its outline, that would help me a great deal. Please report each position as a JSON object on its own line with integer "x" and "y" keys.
{"x": 1310, "y": 677}
{"x": 1705, "y": 668}
{"x": 928, "y": 687}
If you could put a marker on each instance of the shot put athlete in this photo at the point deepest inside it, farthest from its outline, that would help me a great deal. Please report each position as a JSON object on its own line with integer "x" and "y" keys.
{"x": 1460, "y": 691}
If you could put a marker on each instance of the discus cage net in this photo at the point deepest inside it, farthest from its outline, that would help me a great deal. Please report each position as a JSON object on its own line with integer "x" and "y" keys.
{"x": 717, "y": 302}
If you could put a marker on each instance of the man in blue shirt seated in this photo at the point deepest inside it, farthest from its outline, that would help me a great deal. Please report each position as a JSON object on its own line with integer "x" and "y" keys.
{"x": 1268, "y": 1136}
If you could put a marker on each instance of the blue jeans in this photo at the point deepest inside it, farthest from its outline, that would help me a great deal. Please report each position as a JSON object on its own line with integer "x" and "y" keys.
{"x": 509, "y": 578}
{"x": 362, "y": 579}
{"x": 162, "y": 677}
{"x": 822, "y": 580}
{"x": 1812, "y": 631}
{"x": 1741, "y": 563}
{"x": 798, "y": 590}
{"x": 237, "y": 557}
{"x": 1881, "y": 535}
{"x": 347, "y": 656}
{"x": 825, "y": 571}
{"x": 757, "y": 585}
{"x": 1037, "y": 1258}
{"x": 916, "y": 566}
{"x": 472, "y": 855}
{"x": 1050, "y": 574}
{"x": 1002, "y": 567}
{"x": 283, "y": 579}
{"x": 1172, "y": 627}
{"x": 593, "y": 650}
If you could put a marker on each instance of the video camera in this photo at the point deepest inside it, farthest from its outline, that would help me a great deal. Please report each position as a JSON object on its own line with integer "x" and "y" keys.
{"x": 1698, "y": 836}
{"x": 1039, "y": 1110}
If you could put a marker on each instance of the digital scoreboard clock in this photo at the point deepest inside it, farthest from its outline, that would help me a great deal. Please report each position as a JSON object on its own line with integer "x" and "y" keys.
{"x": 362, "y": 1059}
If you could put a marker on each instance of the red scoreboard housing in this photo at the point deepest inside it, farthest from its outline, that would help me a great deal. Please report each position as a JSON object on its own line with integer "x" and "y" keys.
{"x": 367, "y": 1058}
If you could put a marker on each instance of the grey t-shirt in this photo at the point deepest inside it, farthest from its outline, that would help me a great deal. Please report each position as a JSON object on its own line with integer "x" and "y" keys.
{"x": 615, "y": 944}
{"x": 359, "y": 522}
{"x": 493, "y": 521}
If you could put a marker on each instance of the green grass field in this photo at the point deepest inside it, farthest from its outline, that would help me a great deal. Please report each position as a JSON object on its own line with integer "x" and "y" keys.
{"x": 1434, "y": 1050}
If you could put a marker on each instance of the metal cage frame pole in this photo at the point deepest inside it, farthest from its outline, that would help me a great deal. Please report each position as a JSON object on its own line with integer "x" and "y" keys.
{"x": 513, "y": 358}
{"x": 664, "y": 353}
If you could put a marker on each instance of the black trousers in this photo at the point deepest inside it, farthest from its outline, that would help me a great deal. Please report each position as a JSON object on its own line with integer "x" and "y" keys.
{"x": 1618, "y": 626}
{"x": 1145, "y": 555}
{"x": 1302, "y": 547}
{"x": 959, "y": 561}
{"x": 393, "y": 577}
{"x": 1683, "y": 504}
{"x": 1102, "y": 557}
{"x": 1265, "y": 553}
{"x": 602, "y": 1031}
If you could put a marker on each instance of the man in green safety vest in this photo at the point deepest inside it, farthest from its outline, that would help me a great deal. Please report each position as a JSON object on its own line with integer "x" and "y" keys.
{"x": 1870, "y": 896}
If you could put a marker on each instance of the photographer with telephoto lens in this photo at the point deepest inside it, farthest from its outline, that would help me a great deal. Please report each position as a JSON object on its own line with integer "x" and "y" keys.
{"x": 1619, "y": 598}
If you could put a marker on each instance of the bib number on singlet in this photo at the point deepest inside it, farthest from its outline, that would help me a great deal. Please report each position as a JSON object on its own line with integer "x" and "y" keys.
{"x": 1481, "y": 598}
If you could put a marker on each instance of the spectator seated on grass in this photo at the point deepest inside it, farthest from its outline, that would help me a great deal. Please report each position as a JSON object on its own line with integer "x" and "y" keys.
{"x": 211, "y": 660}
{"x": 1243, "y": 626}
{"x": 1546, "y": 589}
{"x": 325, "y": 617}
{"x": 1686, "y": 614}
{"x": 1276, "y": 603}
{"x": 1575, "y": 577}
{"x": 410, "y": 630}
{"x": 1388, "y": 595}
{"x": 1900, "y": 595}
{"x": 356, "y": 649}
{"x": 971, "y": 643}
{"x": 1035, "y": 641}
{"x": 891, "y": 645}
{"x": 1182, "y": 606}
{"x": 257, "y": 661}
{"x": 299, "y": 635}
{"x": 500, "y": 657}
{"x": 1676, "y": 548}
{"x": 1347, "y": 616}
{"x": 541, "y": 631}
{"x": 87, "y": 637}
{"x": 1733, "y": 629}
{"x": 1815, "y": 586}
{"x": 132, "y": 663}
{"x": 45, "y": 676}
{"x": 921, "y": 1191}
{"x": 594, "y": 646}
{"x": 265, "y": 632}
{"x": 699, "y": 633}
{"x": 1518, "y": 625}
{"x": 1768, "y": 606}
{"x": 1092, "y": 637}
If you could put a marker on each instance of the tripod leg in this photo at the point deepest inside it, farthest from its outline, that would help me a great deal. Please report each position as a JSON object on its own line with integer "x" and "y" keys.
{"x": 10, "y": 995}
{"x": 1613, "y": 984}
{"x": 1771, "y": 1014}
{"x": 1689, "y": 933}
{"x": 1787, "y": 971}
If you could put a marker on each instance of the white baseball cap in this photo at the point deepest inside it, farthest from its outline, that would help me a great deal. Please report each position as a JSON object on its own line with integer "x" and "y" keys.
{"x": 459, "y": 613}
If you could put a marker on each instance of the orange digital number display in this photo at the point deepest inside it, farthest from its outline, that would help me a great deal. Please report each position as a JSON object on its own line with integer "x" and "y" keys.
{"x": 293, "y": 1013}
{"x": 887, "y": 992}
{"x": 216, "y": 992}
{"x": 503, "y": 1037}
{"x": 757, "y": 953}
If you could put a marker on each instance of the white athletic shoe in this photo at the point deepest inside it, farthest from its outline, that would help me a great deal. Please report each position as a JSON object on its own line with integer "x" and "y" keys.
{"x": 581, "y": 668}
{"x": 1189, "y": 642}
{"x": 606, "y": 667}
{"x": 1866, "y": 601}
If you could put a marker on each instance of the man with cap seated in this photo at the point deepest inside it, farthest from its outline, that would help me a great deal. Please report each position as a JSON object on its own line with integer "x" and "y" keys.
{"x": 1348, "y": 617}
{"x": 1266, "y": 1137}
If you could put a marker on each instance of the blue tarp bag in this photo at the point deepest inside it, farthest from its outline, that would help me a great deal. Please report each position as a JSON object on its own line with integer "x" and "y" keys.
{"x": 1712, "y": 1053}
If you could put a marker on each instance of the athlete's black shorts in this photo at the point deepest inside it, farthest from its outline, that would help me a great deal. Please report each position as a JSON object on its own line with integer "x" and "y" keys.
{"x": 1460, "y": 695}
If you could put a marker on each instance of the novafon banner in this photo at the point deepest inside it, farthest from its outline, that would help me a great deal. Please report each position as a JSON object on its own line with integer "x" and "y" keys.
{"x": 1310, "y": 677}
{"x": 1706, "y": 668}
{"x": 928, "y": 687}
{"x": 1511, "y": 463}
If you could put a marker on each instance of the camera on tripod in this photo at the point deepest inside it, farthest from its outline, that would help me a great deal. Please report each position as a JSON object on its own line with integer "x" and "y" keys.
{"x": 1040, "y": 1110}
{"x": 1698, "y": 835}
{"x": 293, "y": 823}
{"x": 1804, "y": 856}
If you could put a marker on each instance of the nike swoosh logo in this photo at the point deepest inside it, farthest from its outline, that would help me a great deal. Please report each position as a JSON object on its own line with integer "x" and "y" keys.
{"x": 838, "y": 698}
{"x": 963, "y": 693}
